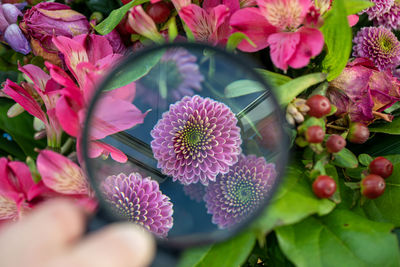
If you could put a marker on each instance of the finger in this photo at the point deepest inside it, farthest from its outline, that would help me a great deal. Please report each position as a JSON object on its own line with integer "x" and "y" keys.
{"x": 118, "y": 245}
{"x": 47, "y": 230}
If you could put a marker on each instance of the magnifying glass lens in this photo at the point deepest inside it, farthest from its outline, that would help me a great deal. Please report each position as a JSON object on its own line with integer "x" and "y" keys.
{"x": 185, "y": 140}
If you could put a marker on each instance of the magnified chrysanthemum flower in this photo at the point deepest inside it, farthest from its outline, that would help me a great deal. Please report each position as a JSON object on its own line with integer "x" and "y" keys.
{"x": 379, "y": 45}
{"x": 196, "y": 140}
{"x": 390, "y": 19}
{"x": 195, "y": 191}
{"x": 181, "y": 78}
{"x": 140, "y": 201}
{"x": 235, "y": 195}
{"x": 380, "y": 7}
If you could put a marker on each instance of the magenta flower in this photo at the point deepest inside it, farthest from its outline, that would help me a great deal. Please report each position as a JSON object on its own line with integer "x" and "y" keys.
{"x": 379, "y": 45}
{"x": 210, "y": 25}
{"x": 39, "y": 84}
{"x": 278, "y": 24}
{"x": 17, "y": 189}
{"x": 380, "y": 7}
{"x": 363, "y": 92}
{"x": 196, "y": 140}
{"x": 236, "y": 194}
{"x": 390, "y": 19}
{"x": 89, "y": 57}
{"x": 47, "y": 19}
{"x": 196, "y": 191}
{"x": 140, "y": 201}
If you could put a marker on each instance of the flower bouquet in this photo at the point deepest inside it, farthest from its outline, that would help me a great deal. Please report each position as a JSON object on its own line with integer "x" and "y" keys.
{"x": 331, "y": 64}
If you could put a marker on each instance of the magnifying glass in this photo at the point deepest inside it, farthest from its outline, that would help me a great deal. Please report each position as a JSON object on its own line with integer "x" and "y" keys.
{"x": 196, "y": 142}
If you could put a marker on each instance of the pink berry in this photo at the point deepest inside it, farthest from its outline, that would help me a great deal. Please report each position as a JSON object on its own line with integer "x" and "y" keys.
{"x": 381, "y": 166}
{"x": 315, "y": 134}
{"x": 335, "y": 143}
{"x": 373, "y": 186}
{"x": 358, "y": 133}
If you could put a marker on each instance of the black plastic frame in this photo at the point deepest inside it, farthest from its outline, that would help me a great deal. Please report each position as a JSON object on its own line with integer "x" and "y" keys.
{"x": 198, "y": 239}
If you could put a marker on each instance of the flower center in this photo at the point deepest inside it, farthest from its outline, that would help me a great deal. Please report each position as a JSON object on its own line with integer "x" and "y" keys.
{"x": 386, "y": 44}
{"x": 193, "y": 138}
{"x": 285, "y": 16}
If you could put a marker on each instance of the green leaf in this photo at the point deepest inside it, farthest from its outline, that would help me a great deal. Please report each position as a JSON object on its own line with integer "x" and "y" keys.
{"x": 355, "y": 6}
{"x": 386, "y": 208}
{"x": 172, "y": 29}
{"x": 107, "y": 25}
{"x": 345, "y": 159}
{"x": 230, "y": 253}
{"x": 293, "y": 202}
{"x": 379, "y": 145}
{"x": 20, "y": 128}
{"x": 273, "y": 78}
{"x": 341, "y": 238}
{"x": 243, "y": 87}
{"x": 365, "y": 159}
{"x": 386, "y": 127}
{"x": 141, "y": 68}
{"x": 288, "y": 91}
{"x": 235, "y": 39}
{"x": 337, "y": 36}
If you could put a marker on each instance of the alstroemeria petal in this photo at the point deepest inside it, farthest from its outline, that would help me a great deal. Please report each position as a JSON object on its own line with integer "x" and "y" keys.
{"x": 61, "y": 174}
{"x": 252, "y": 23}
{"x": 36, "y": 75}
{"x": 283, "y": 46}
{"x": 67, "y": 116}
{"x": 311, "y": 44}
{"x": 22, "y": 97}
{"x": 8, "y": 208}
{"x": 98, "y": 148}
{"x": 108, "y": 119}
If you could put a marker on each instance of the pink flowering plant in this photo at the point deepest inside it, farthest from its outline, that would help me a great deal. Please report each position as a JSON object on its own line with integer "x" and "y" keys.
{"x": 335, "y": 69}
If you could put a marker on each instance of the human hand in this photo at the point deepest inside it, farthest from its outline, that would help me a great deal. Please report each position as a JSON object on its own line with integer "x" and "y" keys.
{"x": 52, "y": 237}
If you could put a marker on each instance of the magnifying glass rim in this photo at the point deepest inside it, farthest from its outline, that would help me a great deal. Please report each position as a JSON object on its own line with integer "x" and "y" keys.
{"x": 186, "y": 241}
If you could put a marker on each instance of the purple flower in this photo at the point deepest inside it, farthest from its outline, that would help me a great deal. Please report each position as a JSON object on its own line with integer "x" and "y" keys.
{"x": 379, "y": 45}
{"x": 390, "y": 19}
{"x": 363, "y": 92}
{"x": 183, "y": 78}
{"x": 195, "y": 191}
{"x": 196, "y": 140}
{"x": 139, "y": 200}
{"x": 380, "y": 7}
{"x": 16, "y": 39}
{"x": 47, "y": 19}
{"x": 236, "y": 194}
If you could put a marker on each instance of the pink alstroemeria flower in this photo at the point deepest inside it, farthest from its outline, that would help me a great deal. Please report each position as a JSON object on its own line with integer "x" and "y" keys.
{"x": 208, "y": 24}
{"x": 89, "y": 57}
{"x": 17, "y": 189}
{"x": 281, "y": 25}
{"x": 363, "y": 92}
{"x": 39, "y": 83}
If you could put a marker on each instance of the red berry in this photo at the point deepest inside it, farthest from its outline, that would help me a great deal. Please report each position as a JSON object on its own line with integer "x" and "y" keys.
{"x": 335, "y": 143}
{"x": 381, "y": 166}
{"x": 358, "y": 133}
{"x": 324, "y": 186}
{"x": 159, "y": 12}
{"x": 315, "y": 134}
{"x": 372, "y": 186}
{"x": 319, "y": 106}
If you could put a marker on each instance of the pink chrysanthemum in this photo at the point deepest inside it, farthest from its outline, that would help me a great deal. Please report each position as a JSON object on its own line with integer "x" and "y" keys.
{"x": 380, "y": 7}
{"x": 140, "y": 201}
{"x": 235, "y": 195}
{"x": 390, "y": 19}
{"x": 196, "y": 140}
{"x": 195, "y": 191}
{"x": 379, "y": 45}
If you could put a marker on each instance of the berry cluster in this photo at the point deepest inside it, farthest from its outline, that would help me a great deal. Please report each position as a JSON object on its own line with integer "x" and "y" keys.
{"x": 373, "y": 185}
{"x": 324, "y": 142}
